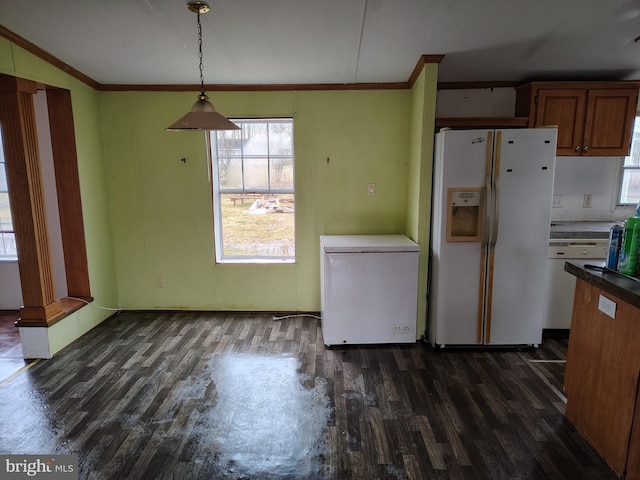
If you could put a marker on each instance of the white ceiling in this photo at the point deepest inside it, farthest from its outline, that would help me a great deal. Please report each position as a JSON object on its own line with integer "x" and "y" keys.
{"x": 334, "y": 41}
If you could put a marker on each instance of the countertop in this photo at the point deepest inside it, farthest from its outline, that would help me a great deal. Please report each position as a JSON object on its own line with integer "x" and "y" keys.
{"x": 580, "y": 230}
{"x": 624, "y": 288}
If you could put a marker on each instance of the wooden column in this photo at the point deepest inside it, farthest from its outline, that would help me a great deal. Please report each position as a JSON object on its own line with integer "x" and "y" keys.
{"x": 26, "y": 194}
{"x": 65, "y": 162}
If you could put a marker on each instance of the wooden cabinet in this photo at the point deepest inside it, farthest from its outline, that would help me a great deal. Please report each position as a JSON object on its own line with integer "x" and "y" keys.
{"x": 633, "y": 460}
{"x": 593, "y": 118}
{"x": 602, "y": 378}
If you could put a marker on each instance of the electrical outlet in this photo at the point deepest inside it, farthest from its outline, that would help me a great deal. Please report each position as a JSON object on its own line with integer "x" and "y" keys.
{"x": 399, "y": 329}
{"x": 371, "y": 188}
{"x": 159, "y": 281}
{"x": 586, "y": 203}
{"x": 557, "y": 201}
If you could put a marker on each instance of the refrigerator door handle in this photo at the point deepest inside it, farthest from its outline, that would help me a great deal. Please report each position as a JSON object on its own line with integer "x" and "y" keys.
{"x": 488, "y": 199}
{"x": 496, "y": 199}
{"x": 496, "y": 216}
{"x": 492, "y": 250}
{"x": 494, "y": 237}
{"x": 488, "y": 192}
{"x": 488, "y": 195}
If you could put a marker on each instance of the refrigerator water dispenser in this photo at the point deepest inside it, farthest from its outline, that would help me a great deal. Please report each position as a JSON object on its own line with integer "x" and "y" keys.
{"x": 465, "y": 214}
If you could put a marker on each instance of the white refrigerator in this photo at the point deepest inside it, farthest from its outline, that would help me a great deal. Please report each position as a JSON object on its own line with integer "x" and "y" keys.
{"x": 369, "y": 289}
{"x": 492, "y": 196}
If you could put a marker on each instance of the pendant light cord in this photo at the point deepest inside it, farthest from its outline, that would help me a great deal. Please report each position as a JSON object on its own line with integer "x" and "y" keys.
{"x": 200, "y": 55}
{"x": 203, "y": 115}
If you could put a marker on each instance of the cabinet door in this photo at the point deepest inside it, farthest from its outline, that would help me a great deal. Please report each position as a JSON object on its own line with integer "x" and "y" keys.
{"x": 602, "y": 372}
{"x": 564, "y": 108}
{"x": 609, "y": 121}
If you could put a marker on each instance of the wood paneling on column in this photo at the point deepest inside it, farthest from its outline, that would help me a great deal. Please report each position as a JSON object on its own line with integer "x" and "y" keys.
{"x": 26, "y": 194}
{"x": 65, "y": 161}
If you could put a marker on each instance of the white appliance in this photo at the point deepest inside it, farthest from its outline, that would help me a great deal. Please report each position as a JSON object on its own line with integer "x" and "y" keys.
{"x": 492, "y": 193}
{"x": 369, "y": 289}
{"x": 560, "y": 285}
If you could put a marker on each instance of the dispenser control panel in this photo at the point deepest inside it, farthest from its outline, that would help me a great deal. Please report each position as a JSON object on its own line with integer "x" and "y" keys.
{"x": 464, "y": 214}
{"x": 465, "y": 199}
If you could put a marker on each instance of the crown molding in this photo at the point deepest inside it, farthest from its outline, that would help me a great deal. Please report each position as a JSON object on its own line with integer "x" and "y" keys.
{"x": 255, "y": 87}
{"x": 422, "y": 62}
{"x": 463, "y": 85}
{"x": 47, "y": 57}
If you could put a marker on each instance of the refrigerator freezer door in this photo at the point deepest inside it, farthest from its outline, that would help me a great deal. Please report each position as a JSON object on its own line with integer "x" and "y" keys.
{"x": 525, "y": 161}
{"x": 456, "y": 291}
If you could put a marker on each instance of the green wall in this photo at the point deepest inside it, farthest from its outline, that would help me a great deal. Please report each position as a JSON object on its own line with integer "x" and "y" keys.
{"x": 148, "y": 216}
{"x": 423, "y": 108}
{"x": 16, "y": 61}
{"x": 161, "y": 207}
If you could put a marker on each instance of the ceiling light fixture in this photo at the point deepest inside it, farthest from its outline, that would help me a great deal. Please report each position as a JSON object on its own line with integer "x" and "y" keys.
{"x": 203, "y": 115}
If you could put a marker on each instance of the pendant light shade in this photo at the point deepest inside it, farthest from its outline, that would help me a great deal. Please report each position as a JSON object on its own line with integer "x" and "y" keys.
{"x": 203, "y": 115}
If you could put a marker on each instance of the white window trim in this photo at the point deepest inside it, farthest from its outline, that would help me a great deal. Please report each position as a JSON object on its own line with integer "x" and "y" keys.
{"x": 620, "y": 178}
{"x": 6, "y": 258}
{"x": 217, "y": 211}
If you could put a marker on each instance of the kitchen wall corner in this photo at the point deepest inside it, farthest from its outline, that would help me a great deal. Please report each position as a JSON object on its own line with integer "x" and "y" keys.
{"x": 576, "y": 177}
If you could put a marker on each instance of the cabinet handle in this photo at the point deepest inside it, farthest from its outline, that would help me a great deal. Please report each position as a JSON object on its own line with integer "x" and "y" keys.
{"x": 584, "y": 149}
{"x": 577, "y": 148}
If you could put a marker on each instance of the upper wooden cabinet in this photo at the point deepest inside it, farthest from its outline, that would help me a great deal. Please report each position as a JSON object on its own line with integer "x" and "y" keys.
{"x": 593, "y": 118}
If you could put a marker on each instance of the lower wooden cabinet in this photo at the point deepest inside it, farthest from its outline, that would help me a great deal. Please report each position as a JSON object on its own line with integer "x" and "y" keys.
{"x": 633, "y": 460}
{"x": 602, "y": 378}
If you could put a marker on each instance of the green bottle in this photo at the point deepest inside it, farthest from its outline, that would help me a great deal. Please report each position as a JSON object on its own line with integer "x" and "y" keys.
{"x": 629, "y": 251}
{"x": 635, "y": 245}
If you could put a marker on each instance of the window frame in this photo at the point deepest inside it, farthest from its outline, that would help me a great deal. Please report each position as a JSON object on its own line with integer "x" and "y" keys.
{"x": 635, "y": 139}
{"x": 4, "y": 233}
{"x": 212, "y": 152}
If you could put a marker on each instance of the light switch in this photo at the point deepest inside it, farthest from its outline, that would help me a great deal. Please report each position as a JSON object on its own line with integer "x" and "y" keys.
{"x": 371, "y": 189}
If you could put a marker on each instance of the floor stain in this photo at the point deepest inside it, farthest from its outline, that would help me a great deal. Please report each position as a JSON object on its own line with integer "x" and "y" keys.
{"x": 265, "y": 423}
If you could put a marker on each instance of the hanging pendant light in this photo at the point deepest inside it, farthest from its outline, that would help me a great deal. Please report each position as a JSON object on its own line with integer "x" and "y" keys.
{"x": 203, "y": 115}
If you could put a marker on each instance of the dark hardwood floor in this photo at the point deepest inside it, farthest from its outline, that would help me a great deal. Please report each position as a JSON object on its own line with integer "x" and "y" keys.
{"x": 11, "y": 359}
{"x": 209, "y": 396}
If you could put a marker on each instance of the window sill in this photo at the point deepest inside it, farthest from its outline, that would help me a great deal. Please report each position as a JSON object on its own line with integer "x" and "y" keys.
{"x": 256, "y": 261}
{"x": 9, "y": 260}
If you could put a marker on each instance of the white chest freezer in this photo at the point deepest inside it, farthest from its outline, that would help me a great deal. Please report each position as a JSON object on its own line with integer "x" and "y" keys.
{"x": 369, "y": 289}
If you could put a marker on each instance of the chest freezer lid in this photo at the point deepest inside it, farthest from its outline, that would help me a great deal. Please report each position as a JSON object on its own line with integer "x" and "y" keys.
{"x": 366, "y": 243}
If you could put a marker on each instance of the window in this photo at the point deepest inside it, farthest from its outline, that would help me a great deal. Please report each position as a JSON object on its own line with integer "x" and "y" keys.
{"x": 630, "y": 180}
{"x": 8, "y": 249}
{"x": 253, "y": 184}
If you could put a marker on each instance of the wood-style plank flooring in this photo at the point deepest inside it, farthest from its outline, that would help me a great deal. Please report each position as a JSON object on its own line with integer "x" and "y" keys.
{"x": 11, "y": 359}
{"x": 236, "y": 396}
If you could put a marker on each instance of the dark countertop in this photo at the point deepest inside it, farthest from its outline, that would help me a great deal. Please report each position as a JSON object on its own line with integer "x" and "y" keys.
{"x": 624, "y": 288}
{"x": 580, "y": 230}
